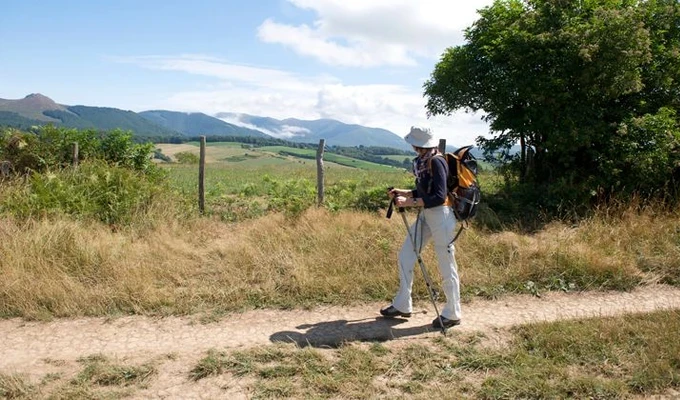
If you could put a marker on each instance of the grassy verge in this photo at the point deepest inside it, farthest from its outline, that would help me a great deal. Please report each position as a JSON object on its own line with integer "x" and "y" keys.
{"x": 595, "y": 358}
{"x": 60, "y": 268}
{"x": 606, "y": 358}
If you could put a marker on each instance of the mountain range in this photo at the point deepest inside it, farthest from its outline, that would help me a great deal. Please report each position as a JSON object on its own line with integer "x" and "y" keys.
{"x": 305, "y": 131}
{"x": 37, "y": 109}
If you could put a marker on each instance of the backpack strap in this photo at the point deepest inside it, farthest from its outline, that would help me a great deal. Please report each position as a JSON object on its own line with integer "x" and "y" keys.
{"x": 463, "y": 225}
{"x": 429, "y": 162}
{"x": 429, "y": 168}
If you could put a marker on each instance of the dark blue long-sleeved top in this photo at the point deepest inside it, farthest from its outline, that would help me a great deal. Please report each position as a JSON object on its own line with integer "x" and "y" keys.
{"x": 431, "y": 187}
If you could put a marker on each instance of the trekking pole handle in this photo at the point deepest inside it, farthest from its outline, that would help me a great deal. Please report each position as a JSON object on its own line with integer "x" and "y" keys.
{"x": 389, "y": 210}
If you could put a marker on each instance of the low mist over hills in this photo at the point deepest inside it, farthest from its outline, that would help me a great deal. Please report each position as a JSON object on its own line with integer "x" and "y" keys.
{"x": 37, "y": 109}
{"x": 311, "y": 131}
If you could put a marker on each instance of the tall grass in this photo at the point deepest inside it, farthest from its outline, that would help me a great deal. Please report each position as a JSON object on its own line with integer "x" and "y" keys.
{"x": 65, "y": 267}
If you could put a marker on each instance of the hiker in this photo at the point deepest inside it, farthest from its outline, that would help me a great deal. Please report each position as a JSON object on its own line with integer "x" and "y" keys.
{"x": 436, "y": 221}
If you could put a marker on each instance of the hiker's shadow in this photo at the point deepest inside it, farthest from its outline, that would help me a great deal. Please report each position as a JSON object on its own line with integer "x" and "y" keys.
{"x": 334, "y": 333}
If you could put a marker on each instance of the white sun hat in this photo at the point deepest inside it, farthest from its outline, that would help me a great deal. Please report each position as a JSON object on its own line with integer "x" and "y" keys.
{"x": 421, "y": 137}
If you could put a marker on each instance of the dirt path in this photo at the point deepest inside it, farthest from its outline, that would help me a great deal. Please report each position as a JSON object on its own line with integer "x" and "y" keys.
{"x": 37, "y": 348}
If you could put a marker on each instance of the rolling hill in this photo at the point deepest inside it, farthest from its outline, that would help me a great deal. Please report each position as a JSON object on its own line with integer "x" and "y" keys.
{"x": 195, "y": 124}
{"x": 37, "y": 109}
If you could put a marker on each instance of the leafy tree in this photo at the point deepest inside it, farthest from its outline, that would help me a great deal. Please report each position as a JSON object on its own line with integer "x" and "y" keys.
{"x": 576, "y": 84}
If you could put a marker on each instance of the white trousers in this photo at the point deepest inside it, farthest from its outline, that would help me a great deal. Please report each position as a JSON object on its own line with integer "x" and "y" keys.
{"x": 436, "y": 224}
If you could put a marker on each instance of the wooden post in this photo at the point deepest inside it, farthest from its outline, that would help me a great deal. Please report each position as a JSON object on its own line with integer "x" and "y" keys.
{"x": 201, "y": 178}
{"x": 319, "y": 171}
{"x": 75, "y": 154}
{"x": 442, "y": 146}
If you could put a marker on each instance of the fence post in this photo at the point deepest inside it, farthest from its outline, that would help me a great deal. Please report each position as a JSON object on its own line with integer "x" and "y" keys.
{"x": 201, "y": 178}
{"x": 319, "y": 171}
{"x": 75, "y": 154}
{"x": 442, "y": 146}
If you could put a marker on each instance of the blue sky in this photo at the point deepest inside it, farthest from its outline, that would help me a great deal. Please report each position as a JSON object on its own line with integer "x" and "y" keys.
{"x": 358, "y": 61}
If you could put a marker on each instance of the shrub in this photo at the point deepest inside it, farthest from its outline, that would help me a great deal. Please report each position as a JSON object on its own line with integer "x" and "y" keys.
{"x": 50, "y": 147}
{"x": 109, "y": 193}
{"x": 185, "y": 157}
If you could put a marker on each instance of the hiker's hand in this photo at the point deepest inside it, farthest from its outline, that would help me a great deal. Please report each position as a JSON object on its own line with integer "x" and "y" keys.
{"x": 399, "y": 192}
{"x": 401, "y": 201}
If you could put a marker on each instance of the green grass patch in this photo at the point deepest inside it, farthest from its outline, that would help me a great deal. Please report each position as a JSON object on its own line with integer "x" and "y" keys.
{"x": 99, "y": 370}
{"x": 613, "y": 358}
{"x": 598, "y": 358}
{"x": 99, "y": 378}
{"x": 399, "y": 157}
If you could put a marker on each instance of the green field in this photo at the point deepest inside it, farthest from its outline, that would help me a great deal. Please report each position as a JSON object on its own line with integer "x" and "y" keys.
{"x": 231, "y": 152}
{"x": 335, "y": 158}
{"x": 398, "y": 157}
{"x": 243, "y": 182}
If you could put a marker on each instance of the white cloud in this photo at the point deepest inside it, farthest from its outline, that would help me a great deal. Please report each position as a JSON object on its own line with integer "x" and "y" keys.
{"x": 228, "y": 72}
{"x": 294, "y": 130}
{"x": 281, "y": 94}
{"x": 374, "y": 33}
{"x": 286, "y": 131}
{"x": 237, "y": 119}
{"x": 309, "y": 42}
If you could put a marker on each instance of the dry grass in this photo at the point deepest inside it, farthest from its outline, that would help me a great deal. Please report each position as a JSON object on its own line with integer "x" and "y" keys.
{"x": 602, "y": 358}
{"x": 62, "y": 267}
{"x": 599, "y": 253}
{"x": 68, "y": 268}
{"x": 15, "y": 387}
{"x": 96, "y": 377}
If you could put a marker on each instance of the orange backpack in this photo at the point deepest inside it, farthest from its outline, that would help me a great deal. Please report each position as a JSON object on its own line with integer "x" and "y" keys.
{"x": 462, "y": 185}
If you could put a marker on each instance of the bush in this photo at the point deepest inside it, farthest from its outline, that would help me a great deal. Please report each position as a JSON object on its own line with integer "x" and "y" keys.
{"x": 292, "y": 197}
{"x": 158, "y": 155}
{"x": 186, "y": 157}
{"x": 112, "y": 194}
{"x": 49, "y": 147}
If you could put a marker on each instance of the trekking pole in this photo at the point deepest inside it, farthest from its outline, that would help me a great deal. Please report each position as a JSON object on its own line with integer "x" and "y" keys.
{"x": 426, "y": 275}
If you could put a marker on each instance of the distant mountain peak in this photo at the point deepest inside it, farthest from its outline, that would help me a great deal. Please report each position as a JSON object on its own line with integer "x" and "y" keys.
{"x": 40, "y": 101}
{"x": 32, "y": 107}
{"x": 37, "y": 95}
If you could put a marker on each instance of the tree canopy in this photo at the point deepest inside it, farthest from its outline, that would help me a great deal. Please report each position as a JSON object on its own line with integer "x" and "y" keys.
{"x": 590, "y": 90}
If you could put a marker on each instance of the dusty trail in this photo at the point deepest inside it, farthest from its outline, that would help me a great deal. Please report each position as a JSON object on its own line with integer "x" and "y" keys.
{"x": 36, "y": 348}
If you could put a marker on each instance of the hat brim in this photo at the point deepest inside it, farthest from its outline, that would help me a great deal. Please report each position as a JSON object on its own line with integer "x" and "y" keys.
{"x": 433, "y": 142}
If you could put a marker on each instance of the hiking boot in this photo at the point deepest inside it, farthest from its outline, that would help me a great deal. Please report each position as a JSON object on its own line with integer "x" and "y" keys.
{"x": 447, "y": 323}
{"x": 391, "y": 312}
